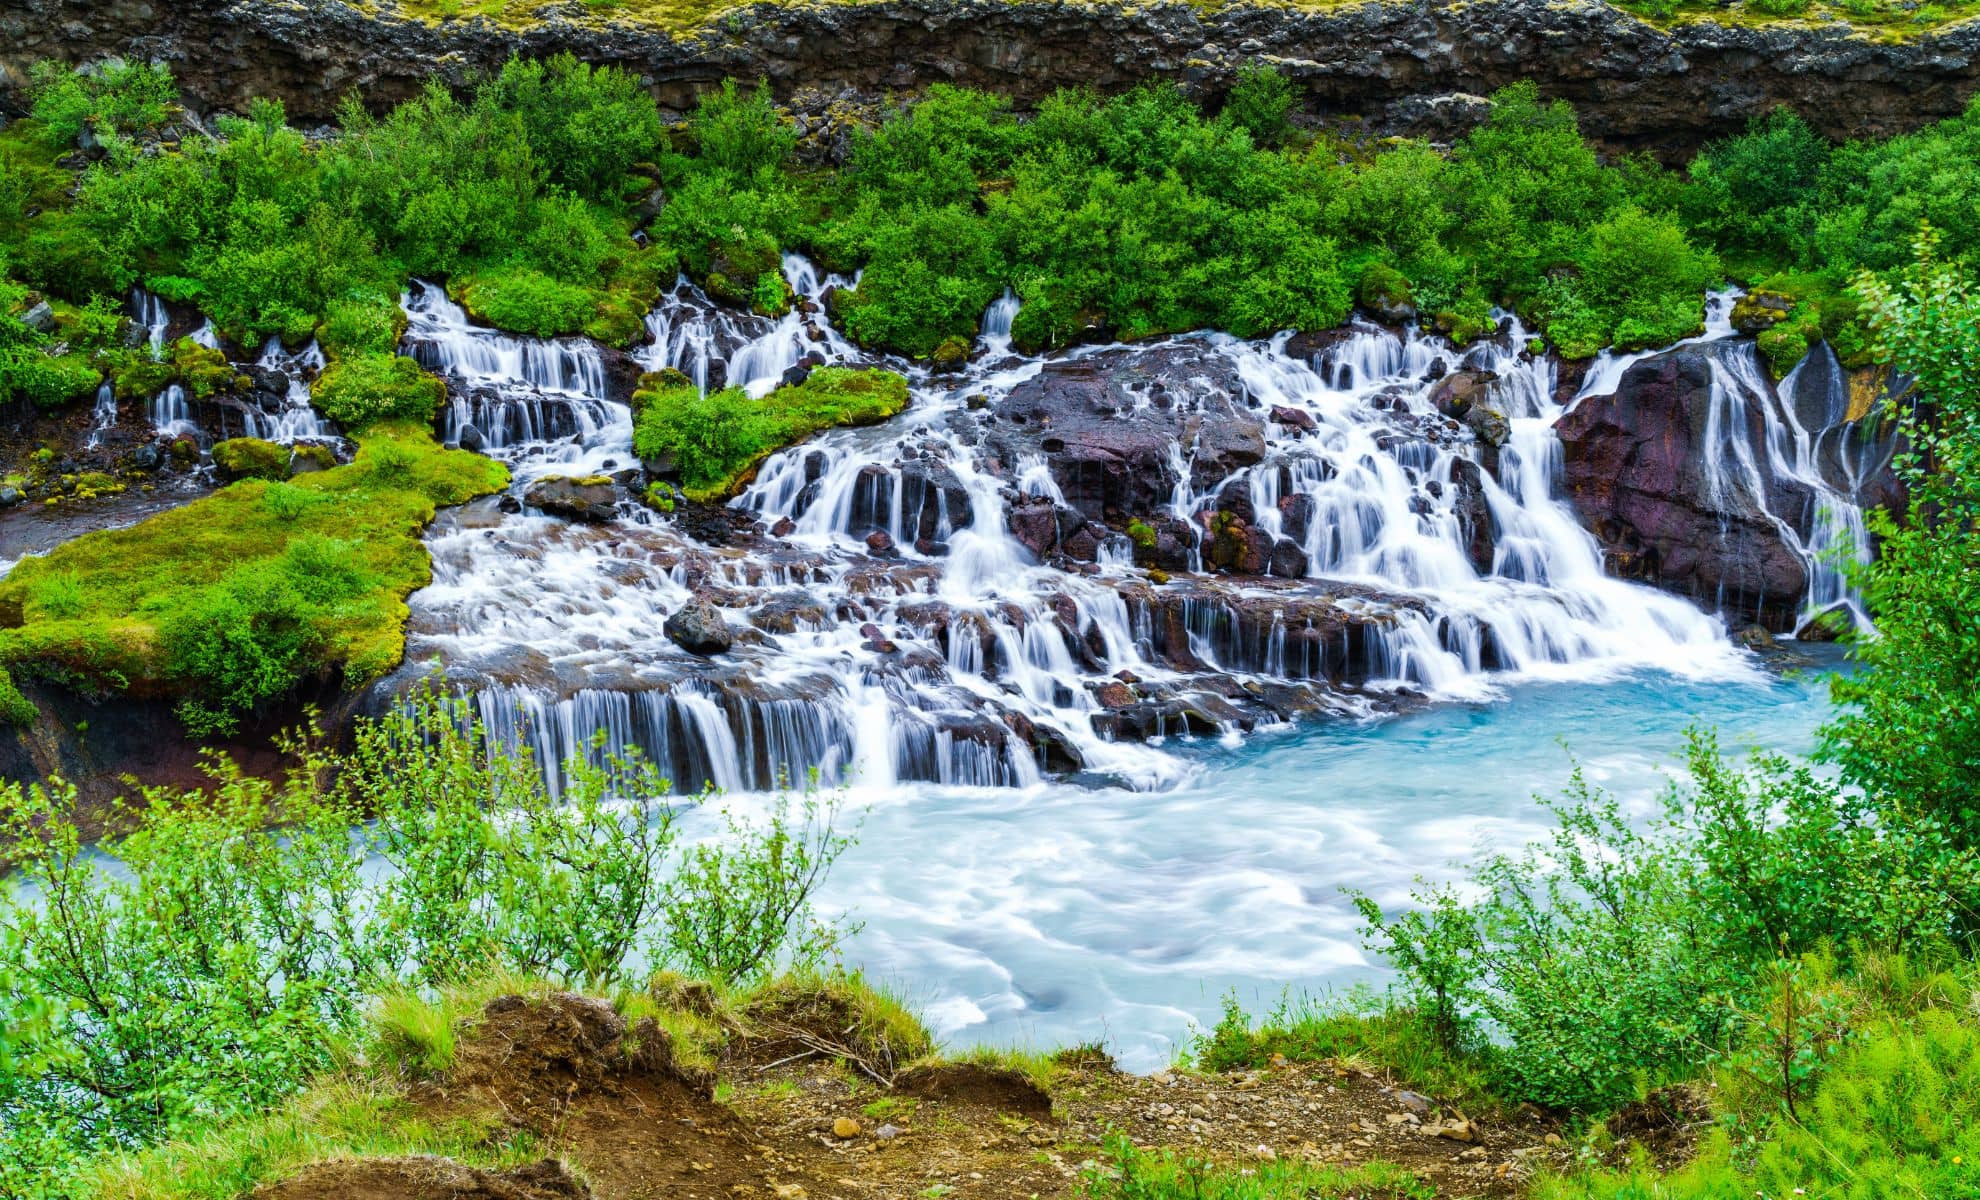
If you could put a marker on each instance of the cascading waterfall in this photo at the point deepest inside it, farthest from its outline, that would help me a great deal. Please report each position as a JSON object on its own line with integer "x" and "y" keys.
{"x": 103, "y": 416}
{"x": 291, "y": 418}
{"x": 952, "y": 654}
{"x": 171, "y": 413}
{"x": 1745, "y": 471}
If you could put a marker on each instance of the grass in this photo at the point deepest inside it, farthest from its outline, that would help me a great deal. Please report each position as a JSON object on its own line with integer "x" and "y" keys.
{"x": 1357, "y": 1029}
{"x": 344, "y": 1118}
{"x": 1128, "y": 1173}
{"x": 843, "y": 1009}
{"x": 90, "y": 612}
{"x": 715, "y": 442}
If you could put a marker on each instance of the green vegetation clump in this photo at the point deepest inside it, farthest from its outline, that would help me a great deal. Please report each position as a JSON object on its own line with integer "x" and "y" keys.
{"x": 250, "y": 458}
{"x": 227, "y": 603}
{"x": 362, "y": 389}
{"x": 219, "y": 950}
{"x": 714, "y": 441}
{"x": 106, "y": 102}
{"x": 1126, "y": 1172}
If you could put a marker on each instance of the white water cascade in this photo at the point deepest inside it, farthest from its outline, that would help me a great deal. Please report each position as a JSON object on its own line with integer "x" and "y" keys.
{"x": 290, "y": 417}
{"x": 893, "y": 626}
{"x": 103, "y": 415}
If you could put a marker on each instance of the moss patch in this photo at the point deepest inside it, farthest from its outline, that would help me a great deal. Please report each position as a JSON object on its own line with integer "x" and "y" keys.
{"x": 715, "y": 442}
{"x": 233, "y": 599}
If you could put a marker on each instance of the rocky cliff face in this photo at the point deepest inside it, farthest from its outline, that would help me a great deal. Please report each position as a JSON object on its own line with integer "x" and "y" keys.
{"x": 1416, "y": 67}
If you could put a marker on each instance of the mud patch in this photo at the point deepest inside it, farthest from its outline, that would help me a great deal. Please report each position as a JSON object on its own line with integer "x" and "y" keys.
{"x": 974, "y": 1085}
{"x": 425, "y": 1178}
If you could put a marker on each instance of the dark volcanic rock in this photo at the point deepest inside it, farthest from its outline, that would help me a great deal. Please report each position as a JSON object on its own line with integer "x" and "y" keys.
{"x": 1104, "y": 425}
{"x": 698, "y": 628}
{"x": 1400, "y": 67}
{"x": 1636, "y": 469}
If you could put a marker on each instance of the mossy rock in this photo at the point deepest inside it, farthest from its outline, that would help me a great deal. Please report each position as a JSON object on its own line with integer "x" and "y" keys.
{"x": 250, "y": 458}
{"x": 1760, "y": 310}
{"x": 715, "y": 442}
{"x": 1384, "y": 294}
{"x": 310, "y": 457}
{"x": 951, "y": 354}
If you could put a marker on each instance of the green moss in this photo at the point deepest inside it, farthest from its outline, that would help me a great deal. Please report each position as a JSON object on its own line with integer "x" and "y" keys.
{"x": 251, "y": 458}
{"x": 715, "y": 442}
{"x": 528, "y": 301}
{"x": 291, "y": 578}
{"x": 1142, "y": 534}
{"x": 1382, "y": 288}
{"x": 365, "y": 388}
{"x": 201, "y": 370}
{"x": 15, "y": 709}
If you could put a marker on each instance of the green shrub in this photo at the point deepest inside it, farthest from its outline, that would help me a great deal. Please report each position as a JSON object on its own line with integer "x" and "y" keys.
{"x": 741, "y": 133}
{"x": 1607, "y": 959}
{"x": 714, "y": 440}
{"x": 363, "y": 389}
{"x": 26, "y": 372}
{"x": 528, "y": 301}
{"x": 366, "y": 323}
{"x": 111, "y": 100}
{"x": 589, "y": 125}
{"x": 1259, "y": 103}
{"x": 214, "y": 950}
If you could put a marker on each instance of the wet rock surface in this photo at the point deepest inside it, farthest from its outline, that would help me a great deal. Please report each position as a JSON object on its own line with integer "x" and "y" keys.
{"x": 1417, "y": 67}
{"x": 1690, "y": 476}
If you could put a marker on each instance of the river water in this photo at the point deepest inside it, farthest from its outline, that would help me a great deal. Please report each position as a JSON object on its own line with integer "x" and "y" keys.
{"x": 1056, "y": 914}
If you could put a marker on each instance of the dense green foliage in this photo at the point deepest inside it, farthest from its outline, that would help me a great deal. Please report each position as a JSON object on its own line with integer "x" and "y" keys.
{"x": 228, "y": 602}
{"x": 713, "y": 440}
{"x": 360, "y": 389}
{"x": 219, "y": 952}
{"x": 1910, "y": 727}
{"x": 271, "y": 234}
{"x": 1607, "y": 955}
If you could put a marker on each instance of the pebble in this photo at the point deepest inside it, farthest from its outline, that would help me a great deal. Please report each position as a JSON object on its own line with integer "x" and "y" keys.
{"x": 845, "y": 1127}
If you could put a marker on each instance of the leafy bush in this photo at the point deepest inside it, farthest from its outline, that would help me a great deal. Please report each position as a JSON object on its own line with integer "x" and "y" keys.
{"x": 1909, "y": 727}
{"x": 363, "y": 389}
{"x": 713, "y": 440}
{"x": 741, "y": 133}
{"x": 111, "y": 100}
{"x": 589, "y": 125}
{"x": 215, "y": 953}
{"x": 528, "y": 301}
{"x": 1607, "y": 956}
{"x": 1259, "y": 103}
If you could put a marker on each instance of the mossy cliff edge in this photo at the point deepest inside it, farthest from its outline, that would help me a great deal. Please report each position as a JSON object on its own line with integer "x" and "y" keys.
{"x": 1404, "y": 67}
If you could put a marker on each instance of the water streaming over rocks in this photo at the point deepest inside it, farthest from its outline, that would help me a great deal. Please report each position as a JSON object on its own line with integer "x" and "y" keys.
{"x": 1045, "y": 565}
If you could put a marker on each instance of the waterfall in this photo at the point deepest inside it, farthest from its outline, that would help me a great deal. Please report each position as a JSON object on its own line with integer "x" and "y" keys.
{"x": 952, "y": 653}
{"x": 151, "y": 315}
{"x": 171, "y": 414}
{"x": 103, "y": 416}
{"x": 291, "y": 418}
{"x": 1758, "y": 452}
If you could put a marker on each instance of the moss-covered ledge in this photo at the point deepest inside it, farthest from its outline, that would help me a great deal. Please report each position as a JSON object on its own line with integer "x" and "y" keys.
{"x": 229, "y": 602}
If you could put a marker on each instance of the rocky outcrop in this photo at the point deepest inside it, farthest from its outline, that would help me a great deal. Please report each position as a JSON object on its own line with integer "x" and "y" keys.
{"x": 1691, "y": 499}
{"x": 1104, "y": 426}
{"x": 1403, "y": 67}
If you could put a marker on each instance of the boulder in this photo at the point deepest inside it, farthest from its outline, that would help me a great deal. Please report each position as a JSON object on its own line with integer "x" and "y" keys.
{"x": 1635, "y": 468}
{"x": 1105, "y": 425}
{"x": 306, "y": 458}
{"x": 576, "y": 498}
{"x": 250, "y": 458}
{"x": 1457, "y": 391}
{"x": 698, "y": 628}
{"x": 40, "y": 318}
